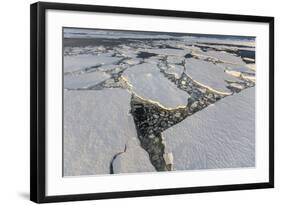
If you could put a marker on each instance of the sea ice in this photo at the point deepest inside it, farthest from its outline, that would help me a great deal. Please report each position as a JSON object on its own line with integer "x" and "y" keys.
{"x": 78, "y": 62}
{"x": 220, "y": 136}
{"x": 97, "y": 125}
{"x": 149, "y": 83}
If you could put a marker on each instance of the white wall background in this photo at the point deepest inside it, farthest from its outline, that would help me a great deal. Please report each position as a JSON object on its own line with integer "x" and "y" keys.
{"x": 14, "y": 101}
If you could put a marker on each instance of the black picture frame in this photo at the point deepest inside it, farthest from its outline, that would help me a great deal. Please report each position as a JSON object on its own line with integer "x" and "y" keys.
{"x": 38, "y": 101}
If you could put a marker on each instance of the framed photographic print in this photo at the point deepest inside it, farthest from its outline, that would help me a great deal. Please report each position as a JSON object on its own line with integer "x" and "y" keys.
{"x": 129, "y": 102}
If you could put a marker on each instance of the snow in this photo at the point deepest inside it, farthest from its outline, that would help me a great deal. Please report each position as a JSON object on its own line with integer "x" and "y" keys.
{"x": 220, "y": 136}
{"x": 78, "y": 62}
{"x": 97, "y": 125}
{"x": 149, "y": 83}
{"x": 225, "y": 57}
{"x": 240, "y": 68}
{"x": 208, "y": 74}
{"x": 84, "y": 80}
{"x": 175, "y": 70}
{"x": 128, "y": 163}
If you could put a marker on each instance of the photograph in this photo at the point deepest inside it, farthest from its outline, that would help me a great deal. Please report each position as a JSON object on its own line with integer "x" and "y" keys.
{"x": 134, "y": 102}
{"x": 146, "y": 101}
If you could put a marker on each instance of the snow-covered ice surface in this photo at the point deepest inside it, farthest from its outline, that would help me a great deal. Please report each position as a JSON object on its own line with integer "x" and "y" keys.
{"x": 221, "y": 136}
{"x": 79, "y": 62}
{"x": 224, "y": 56}
{"x": 97, "y": 125}
{"x": 73, "y": 81}
{"x": 150, "y": 101}
{"x": 209, "y": 74}
{"x": 149, "y": 84}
